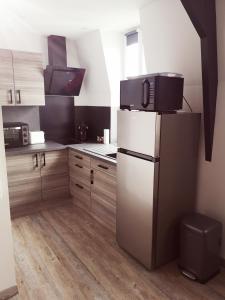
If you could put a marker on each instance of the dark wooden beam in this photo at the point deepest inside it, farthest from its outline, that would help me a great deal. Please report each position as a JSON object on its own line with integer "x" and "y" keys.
{"x": 203, "y": 16}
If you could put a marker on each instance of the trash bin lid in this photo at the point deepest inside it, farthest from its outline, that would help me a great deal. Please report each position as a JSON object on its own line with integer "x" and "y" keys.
{"x": 200, "y": 223}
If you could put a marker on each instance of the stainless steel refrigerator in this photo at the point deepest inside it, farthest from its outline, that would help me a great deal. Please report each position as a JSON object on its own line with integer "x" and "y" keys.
{"x": 156, "y": 182}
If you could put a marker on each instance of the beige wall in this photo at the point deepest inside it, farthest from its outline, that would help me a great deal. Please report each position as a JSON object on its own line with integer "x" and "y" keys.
{"x": 7, "y": 273}
{"x": 211, "y": 184}
{"x": 113, "y": 48}
{"x": 96, "y": 82}
{"x": 172, "y": 44}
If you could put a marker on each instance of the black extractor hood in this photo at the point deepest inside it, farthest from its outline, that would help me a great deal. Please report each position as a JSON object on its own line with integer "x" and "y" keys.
{"x": 60, "y": 79}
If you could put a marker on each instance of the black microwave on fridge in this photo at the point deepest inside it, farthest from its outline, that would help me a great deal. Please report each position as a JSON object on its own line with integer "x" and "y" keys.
{"x": 162, "y": 92}
{"x": 16, "y": 134}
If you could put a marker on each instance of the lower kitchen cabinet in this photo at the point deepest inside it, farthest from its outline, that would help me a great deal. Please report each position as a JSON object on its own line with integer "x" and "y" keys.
{"x": 55, "y": 186}
{"x": 25, "y": 191}
{"x": 54, "y": 174}
{"x": 24, "y": 179}
{"x": 103, "y": 193}
{"x": 48, "y": 176}
{"x": 93, "y": 187}
{"x": 37, "y": 177}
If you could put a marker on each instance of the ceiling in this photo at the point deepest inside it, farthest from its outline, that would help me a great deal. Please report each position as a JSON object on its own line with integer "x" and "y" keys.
{"x": 72, "y": 18}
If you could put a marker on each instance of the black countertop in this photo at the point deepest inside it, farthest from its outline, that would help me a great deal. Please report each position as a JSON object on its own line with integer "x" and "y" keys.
{"x": 47, "y": 146}
{"x": 91, "y": 149}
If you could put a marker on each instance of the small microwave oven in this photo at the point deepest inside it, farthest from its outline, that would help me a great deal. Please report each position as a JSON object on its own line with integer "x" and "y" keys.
{"x": 16, "y": 134}
{"x": 162, "y": 92}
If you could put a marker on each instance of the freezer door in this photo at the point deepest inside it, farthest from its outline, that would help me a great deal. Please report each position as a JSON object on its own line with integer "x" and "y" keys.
{"x": 136, "y": 191}
{"x": 139, "y": 131}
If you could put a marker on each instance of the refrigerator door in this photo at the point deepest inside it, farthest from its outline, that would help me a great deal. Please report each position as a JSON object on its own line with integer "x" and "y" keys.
{"x": 136, "y": 191}
{"x": 139, "y": 131}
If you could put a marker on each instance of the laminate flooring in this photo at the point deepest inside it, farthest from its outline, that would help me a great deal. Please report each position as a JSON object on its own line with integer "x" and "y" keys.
{"x": 63, "y": 253}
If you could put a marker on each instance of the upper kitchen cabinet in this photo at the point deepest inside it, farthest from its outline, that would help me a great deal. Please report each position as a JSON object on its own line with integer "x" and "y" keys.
{"x": 28, "y": 78}
{"x": 21, "y": 78}
{"x": 6, "y": 78}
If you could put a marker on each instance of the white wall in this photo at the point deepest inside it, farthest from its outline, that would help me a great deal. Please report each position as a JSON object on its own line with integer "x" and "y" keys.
{"x": 101, "y": 53}
{"x": 113, "y": 48}
{"x": 73, "y": 61}
{"x": 211, "y": 184}
{"x": 7, "y": 271}
{"x": 96, "y": 84}
{"x": 172, "y": 44}
{"x": 22, "y": 38}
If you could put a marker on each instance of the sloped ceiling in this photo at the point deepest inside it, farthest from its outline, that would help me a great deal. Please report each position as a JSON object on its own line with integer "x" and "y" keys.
{"x": 71, "y": 18}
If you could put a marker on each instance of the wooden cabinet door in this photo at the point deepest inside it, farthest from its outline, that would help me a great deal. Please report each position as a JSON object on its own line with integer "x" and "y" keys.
{"x": 54, "y": 162}
{"x": 54, "y": 174}
{"x": 103, "y": 195}
{"x": 28, "y": 78}
{"x": 6, "y": 78}
{"x": 24, "y": 179}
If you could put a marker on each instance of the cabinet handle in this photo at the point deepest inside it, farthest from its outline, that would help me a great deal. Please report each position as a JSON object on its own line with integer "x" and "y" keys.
{"x": 92, "y": 177}
{"x": 103, "y": 167}
{"x": 19, "y": 97}
{"x": 79, "y": 186}
{"x": 44, "y": 164}
{"x": 78, "y": 156}
{"x": 11, "y": 96}
{"x": 79, "y": 166}
{"x": 36, "y": 157}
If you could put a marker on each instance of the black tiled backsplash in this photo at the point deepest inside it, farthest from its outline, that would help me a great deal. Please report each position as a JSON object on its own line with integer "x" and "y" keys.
{"x": 96, "y": 117}
{"x": 61, "y": 120}
{"x": 29, "y": 115}
{"x": 57, "y": 117}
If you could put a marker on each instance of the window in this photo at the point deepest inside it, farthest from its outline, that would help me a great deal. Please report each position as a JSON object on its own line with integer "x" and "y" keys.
{"x": 134, "y": 54}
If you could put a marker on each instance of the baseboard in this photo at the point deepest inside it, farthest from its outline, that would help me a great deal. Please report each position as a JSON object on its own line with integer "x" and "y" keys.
{"x": 35, "y": 207}
{"x": 8, "y": 293}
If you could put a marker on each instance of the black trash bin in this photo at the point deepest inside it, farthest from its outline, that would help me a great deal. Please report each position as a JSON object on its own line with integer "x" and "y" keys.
{"x": 200, "y": 244}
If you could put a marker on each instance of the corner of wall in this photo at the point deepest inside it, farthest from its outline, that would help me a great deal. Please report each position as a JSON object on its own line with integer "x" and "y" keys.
{"x": 7, "y": 276}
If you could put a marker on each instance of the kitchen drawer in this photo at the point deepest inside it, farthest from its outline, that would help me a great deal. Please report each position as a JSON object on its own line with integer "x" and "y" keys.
{"x": 81, "y": 194}
{"x": 104, "y": 185}
{"x": 81, "y": 173}
{"x": 103, "y": 211}
{"x": 76, "y": 157}
{"x": 99, "y": 165}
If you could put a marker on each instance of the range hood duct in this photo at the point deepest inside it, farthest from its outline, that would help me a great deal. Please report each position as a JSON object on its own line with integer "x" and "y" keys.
{"x": 60, "y": 79}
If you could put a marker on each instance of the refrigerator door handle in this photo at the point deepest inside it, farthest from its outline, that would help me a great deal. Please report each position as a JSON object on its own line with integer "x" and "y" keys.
{"x": 145, "y": 93}
{"x": 139, "y": 155}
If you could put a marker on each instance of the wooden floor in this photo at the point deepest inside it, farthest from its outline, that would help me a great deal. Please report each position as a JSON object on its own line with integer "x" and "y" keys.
{"x": 63, "y": 253}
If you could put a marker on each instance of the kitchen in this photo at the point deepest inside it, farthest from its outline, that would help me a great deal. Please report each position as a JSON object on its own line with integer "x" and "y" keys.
{"x": 83, "y": 258}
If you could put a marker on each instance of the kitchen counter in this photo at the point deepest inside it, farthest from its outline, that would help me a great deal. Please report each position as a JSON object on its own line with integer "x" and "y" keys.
{"x": 92, "y": 149}
{"x": 96, "y": 150}
{"x": 48, "y": 146}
